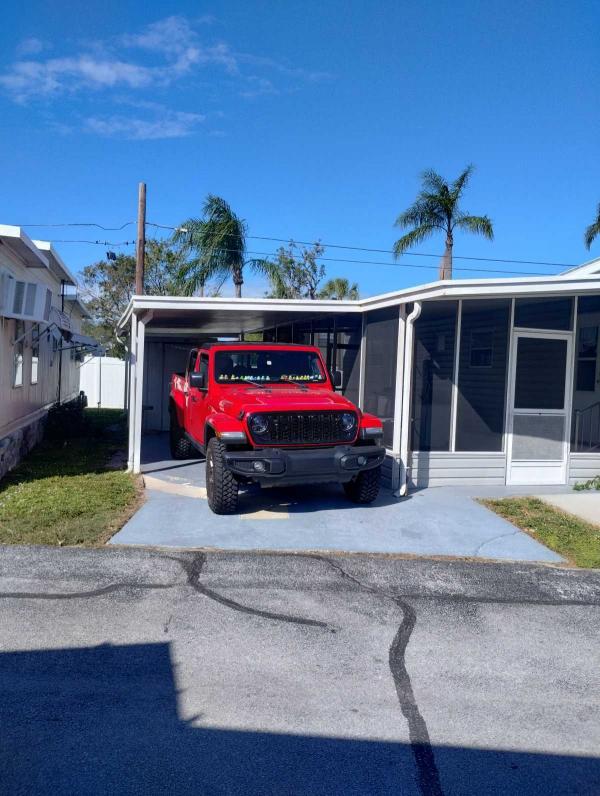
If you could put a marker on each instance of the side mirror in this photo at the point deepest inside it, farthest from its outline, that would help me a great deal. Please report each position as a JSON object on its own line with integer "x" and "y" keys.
{"x": 336, "y": 378}
{"x": 198, "y": 380}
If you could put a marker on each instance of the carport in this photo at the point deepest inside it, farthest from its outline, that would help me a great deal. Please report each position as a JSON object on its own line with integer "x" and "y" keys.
{"x": 164, "y": 329}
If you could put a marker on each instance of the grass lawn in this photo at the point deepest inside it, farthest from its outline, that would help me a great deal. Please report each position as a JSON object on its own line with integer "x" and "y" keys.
{"x": 63, "y": 493}
{"x": 576, "y": 540}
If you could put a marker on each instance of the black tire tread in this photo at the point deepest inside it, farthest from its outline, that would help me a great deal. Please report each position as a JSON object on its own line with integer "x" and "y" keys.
{"x": 181, "y": 447}
{"x": 365, "y": 487}
{"x": 223, "y": 497}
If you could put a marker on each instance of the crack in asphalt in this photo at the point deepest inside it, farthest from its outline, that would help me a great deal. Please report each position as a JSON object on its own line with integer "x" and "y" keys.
{"x": 193, "y": 569}
{"x": 82, "y": 595}
{"x": 418, "y": 734}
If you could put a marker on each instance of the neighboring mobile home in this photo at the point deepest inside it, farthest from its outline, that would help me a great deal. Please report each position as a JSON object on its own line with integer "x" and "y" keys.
{"x": 40, "y": 340}
{"x": 477, "y": 381}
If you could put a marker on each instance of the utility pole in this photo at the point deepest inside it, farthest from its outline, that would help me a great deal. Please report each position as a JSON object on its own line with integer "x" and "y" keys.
{"x": 140, "y": 250}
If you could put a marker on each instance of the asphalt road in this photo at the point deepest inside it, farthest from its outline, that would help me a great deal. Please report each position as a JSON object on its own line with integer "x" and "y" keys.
{"x": 127, "y": 671}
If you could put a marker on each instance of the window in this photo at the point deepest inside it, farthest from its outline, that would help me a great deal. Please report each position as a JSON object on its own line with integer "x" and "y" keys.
{"x": 587, "y": 353}
{"x": 203, "y": 369}
{"x": 35, "y": 353}
{"x": 192, "y": 361}
{"x": 268, "y": 365}
{"x": 482, "y": 348}
{"x": 19, "y": 348}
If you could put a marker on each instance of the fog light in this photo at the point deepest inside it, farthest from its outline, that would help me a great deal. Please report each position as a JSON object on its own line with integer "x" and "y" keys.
{"x": 260, "y": 467}
{"x": 362, "y": 460}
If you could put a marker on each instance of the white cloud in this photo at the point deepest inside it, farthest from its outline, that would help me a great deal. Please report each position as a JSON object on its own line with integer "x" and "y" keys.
{"x": 129, "y": 68}
{"x": 31, "y": 46}
{"x": 167, "y": 124}
{"x": 258, "y": 87}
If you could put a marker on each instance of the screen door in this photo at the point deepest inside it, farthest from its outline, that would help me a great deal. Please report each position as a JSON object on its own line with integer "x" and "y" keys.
{"x": 539, "y": 408}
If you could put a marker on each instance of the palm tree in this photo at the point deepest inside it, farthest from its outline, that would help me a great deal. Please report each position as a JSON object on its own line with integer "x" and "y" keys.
{"x": 437, "y": 208}
{"x": 219, "y": 240}
{"x": 592, "y": 231}
{"x": 340, "y": 289}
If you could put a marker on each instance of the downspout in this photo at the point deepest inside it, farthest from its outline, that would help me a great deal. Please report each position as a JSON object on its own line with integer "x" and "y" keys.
{"x": 60, "y": 350}
{"x": 406, "y": 391}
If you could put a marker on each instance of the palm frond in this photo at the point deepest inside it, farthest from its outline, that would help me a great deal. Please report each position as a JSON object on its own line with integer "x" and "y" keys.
{"x": 412, "y": 238}
{"x": 478, "y": 225}
{"x": 432, "y": 181}
{"x": 592, "y": 232}
{"x": 424, "y": 212}
{"x": 460, "y": 183}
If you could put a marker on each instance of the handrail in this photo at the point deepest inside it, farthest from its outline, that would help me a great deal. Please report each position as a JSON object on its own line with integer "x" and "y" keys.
{"x": 593, "y": 439}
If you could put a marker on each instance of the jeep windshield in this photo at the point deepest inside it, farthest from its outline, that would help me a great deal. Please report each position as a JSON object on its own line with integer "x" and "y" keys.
{"x": 273, "y": 366}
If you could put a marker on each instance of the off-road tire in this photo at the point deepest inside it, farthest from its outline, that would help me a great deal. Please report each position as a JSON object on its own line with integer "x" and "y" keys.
{"x": 221, "y": 484}
{"x": 181, "y": 447}
{"x": 365, "y": 487}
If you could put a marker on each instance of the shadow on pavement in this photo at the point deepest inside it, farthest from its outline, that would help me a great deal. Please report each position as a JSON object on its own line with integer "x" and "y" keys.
{"x": 105, "y": 720}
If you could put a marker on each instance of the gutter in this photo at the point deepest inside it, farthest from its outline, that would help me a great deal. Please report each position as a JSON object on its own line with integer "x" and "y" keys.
{"x": 405, "y": 423}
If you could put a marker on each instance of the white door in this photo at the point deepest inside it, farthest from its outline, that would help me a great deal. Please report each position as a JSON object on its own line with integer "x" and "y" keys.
{"x": 539, "y": 408}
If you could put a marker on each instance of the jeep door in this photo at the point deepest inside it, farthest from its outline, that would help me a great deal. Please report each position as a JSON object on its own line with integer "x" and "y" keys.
{"x": 197, "y": 403}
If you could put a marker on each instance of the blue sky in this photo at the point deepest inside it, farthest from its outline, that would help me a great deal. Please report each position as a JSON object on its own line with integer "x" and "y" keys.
{"x": 312, "y": 119}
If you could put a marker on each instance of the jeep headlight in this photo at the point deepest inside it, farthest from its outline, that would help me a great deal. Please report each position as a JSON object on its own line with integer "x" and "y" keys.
{"x": 348, "y": 421}
{"x": 259, "y": 424}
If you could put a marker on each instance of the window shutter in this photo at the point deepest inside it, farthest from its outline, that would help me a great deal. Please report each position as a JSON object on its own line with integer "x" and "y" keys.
{"x": 48, "y": 304}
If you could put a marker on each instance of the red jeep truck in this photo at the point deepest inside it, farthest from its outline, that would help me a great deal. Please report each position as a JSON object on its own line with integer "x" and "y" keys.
{"x": 268, "y": 413}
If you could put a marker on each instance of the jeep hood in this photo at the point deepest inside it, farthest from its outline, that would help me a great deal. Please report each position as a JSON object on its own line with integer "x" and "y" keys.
{"x": 282, "y": 399}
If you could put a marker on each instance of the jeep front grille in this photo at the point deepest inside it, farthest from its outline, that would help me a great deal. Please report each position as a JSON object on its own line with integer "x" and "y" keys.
{"x": 304, "y": 428}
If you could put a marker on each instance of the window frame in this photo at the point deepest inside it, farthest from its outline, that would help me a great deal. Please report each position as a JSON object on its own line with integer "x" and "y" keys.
{"x": 491, "y": 330}
{"x": 588, "y": 358}
{"x": 35, "y": 354}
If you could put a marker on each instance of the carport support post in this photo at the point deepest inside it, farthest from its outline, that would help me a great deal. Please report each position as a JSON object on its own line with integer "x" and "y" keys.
{"x": 131, "y": 390}
{"x": 399, "y": 399}
{"x": 139, "y": 394}
{"x": 405, "y": 426}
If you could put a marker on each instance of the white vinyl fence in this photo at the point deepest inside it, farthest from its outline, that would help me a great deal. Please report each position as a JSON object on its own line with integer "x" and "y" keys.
{"x": 102, "y": 379}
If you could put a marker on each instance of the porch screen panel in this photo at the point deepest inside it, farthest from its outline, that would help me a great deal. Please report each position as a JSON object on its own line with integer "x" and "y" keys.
{"x": 380, "y": 368}
{"x": 482, "y": 375}
{"x": 540, "y": 376}
{"x": 585, "y": 427}
{"x": 433, "y": 366}
{"x": 544, "y": 313}
{"x": 346, "y": 359}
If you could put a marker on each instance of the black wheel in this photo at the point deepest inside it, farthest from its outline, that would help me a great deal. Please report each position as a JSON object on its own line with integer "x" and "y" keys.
{"x": 365, "y": 487}
{"x": 221, "y": 485}
{"x": 181, "y": 447}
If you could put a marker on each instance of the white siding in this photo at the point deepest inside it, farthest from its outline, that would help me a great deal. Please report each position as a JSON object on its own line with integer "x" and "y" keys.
{"x": 583, "y": 466}
{"x": 18, "y": 404}
{"x": 457, "y": 469}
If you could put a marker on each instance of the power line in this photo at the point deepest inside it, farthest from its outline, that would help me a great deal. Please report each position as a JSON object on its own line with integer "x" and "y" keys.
{"x": 414, "y": 254}
{"x": 336, "y": 259}
{"x": 332, "y": 246}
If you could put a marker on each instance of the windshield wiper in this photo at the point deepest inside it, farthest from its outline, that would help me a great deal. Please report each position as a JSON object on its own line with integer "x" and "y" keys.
{"x": 253, "y": 383}
{"x": 300, "y": 384}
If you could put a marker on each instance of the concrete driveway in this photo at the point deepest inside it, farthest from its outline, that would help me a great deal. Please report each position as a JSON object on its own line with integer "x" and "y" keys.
{"x": 442, "y": 521}
{"x": 130, "y": 672}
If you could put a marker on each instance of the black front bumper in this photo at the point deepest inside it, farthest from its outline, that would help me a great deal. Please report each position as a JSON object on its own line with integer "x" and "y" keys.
{"x": 273, "y": 466}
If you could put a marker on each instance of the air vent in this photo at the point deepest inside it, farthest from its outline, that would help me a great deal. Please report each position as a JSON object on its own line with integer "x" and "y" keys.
{"x": 30, "y": 301}
{"x": 19, "y": 295}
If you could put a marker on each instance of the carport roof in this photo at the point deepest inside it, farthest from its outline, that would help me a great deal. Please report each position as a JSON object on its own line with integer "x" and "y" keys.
{"x": 177, "y": 314}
